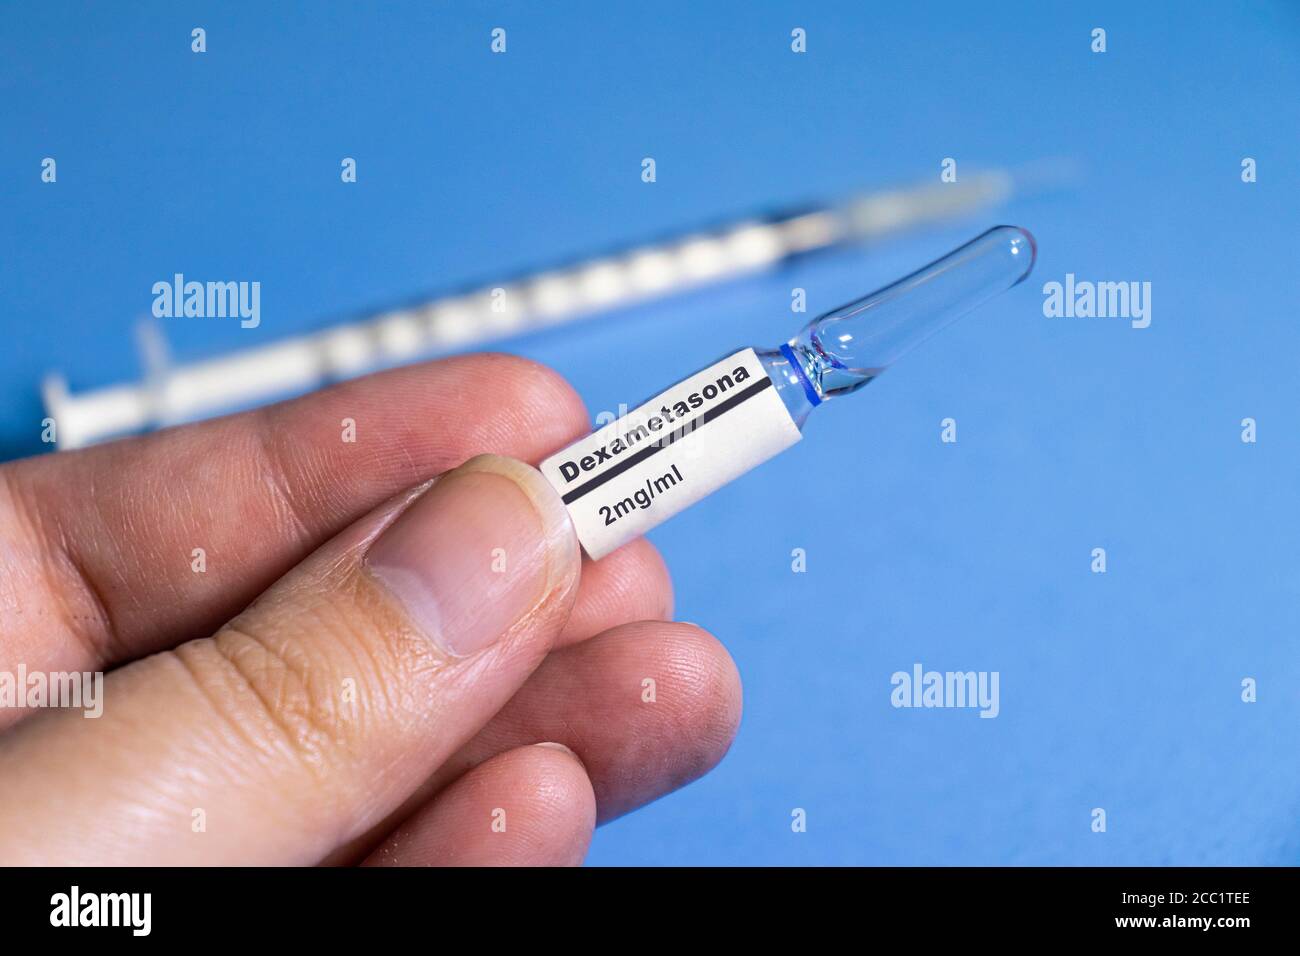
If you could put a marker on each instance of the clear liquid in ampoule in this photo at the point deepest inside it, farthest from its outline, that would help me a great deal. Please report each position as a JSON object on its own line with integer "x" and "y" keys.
{"x": 843, "y": 350}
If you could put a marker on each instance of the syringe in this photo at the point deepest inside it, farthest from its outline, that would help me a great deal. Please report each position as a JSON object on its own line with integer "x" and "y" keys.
{"x": 172, "y": 393}
{"x": 696, "y": 436}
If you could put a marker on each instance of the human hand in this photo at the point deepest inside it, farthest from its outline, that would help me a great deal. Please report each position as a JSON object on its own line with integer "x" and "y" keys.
{"x": 317, "y": 655}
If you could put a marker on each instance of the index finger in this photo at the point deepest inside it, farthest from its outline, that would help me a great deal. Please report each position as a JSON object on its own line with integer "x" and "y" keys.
{"x": 123, "y": 549}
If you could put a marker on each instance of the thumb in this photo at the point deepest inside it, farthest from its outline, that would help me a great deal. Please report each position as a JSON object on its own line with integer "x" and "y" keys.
{"x": 311, "y": 716}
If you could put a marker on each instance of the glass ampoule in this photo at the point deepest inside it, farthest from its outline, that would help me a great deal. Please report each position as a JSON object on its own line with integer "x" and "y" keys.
{"x": 715, "y": 425}
{"x": 845, "y": 349}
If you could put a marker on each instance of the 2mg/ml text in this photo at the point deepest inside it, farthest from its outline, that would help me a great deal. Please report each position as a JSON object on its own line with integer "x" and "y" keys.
{"x": 643, "y": 497}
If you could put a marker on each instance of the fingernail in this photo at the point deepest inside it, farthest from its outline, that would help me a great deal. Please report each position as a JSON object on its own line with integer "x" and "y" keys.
{"x": 476, "y": 553}
{"x": 555, "y": 745}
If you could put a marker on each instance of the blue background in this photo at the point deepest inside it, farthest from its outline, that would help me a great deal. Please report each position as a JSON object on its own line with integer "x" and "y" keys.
{"x": 1118, "y": 690}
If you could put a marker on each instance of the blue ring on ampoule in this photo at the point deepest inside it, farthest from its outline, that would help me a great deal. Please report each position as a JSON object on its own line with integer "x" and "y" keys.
{"x": 795, "y": 364}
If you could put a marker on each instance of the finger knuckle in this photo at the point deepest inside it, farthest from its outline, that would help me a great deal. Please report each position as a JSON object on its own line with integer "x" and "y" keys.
{"x": 283, "y": 699}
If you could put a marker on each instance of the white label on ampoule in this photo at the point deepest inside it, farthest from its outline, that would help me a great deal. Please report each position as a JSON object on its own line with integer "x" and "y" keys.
{"x": 683, "y": 444}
